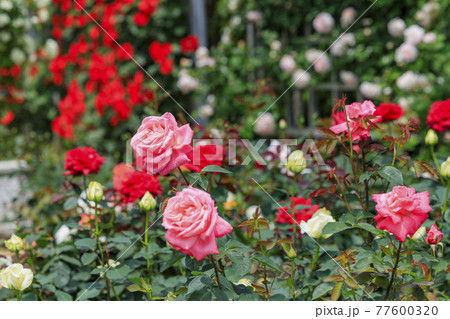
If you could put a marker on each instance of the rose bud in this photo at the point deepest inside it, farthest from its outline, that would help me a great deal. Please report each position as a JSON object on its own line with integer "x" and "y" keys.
{"x": 314, "y": 226}
{"x": 434, "y": 235}
{"x": 445, "y": 168}
{"x": 147, "y": 202}
{"x": 296, "y": 162}
{"x": 431, "y": 138}
{"x": 95, "y": 192}
{"x": 14, "y": 244}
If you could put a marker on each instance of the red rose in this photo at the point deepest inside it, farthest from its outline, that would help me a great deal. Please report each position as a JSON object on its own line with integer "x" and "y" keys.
{"x": 165, "y": 67}
{"x": 141, "y": 19}
{"x": 439, "y": 116}
{"x": 82, "y": 161}
{"x": 8, "y": 118}
{"x": 284, "y": 214}
{"x": 63, "y": 127}
{"x": 189, "y": 44}
{"x": 132, "y": 184}
{"x": 389, "y": 112}
{"x": 434, "y": 235}
{"x": 204, "y": 155}
{"x": 159, "y": 51}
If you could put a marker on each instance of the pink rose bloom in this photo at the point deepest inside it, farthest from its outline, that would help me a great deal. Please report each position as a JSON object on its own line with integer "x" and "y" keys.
{"x": 434, "y": 235}
{"x": 160, "y": 145}
{"x": 355, "y": 113}
{"x": 323, "y": 22}
{"x": 193, "y": 223}
{"x": 402, "y": 211}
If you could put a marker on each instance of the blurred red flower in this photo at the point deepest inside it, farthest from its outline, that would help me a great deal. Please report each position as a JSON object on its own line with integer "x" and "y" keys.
{"x": 439, "y": 116}
{"x": 63, "y": 127}
{"x": 132, "y": 184}
{"x": 204, "y": 155}
{"x": 189, "y": 44}
{"x": 389, "y": 112}
{"x": 8, "y": 118}
{"x": 83, "y": 161}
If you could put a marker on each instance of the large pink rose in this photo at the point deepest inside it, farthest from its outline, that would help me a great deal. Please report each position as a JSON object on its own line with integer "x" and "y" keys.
{"x": 160, "y": 145}
{"x": 402, "y": 211}
{"x": 193, "y": 223}
{"x": 355, "y": 113}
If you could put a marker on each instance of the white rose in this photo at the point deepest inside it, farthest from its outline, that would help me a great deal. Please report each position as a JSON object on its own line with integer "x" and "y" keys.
{"x": 233, "y": 4}
{"x": 206, "y": 111}
{"x": 348, "y": 78}
{"x": 301, "y": 78}
{"x": 429, "y": 37}
{"x": 370, "y": 90}
{"x": 43, "y": 15}
{"x": 17, "y": 56}
{"x": 396, "y": 27}
{"x": 187, "y": 83}
{"x": 5, "y": 36}
{"x": 406, "y": 52}
{"x": 6, "y": 5}
{"x": 4, "y": 19}
{"x": 287, "y": 63}
{"x": 314, "y": 226}
{"x": 16, "y": 277}
{"x": 235, "y": 21}
{"x": 265, "y": 125}
{"x": 63, "y": 234}
{"x": 407, "y": 81}
{"x": 312, "y": 55}
{"x": 414, "y": 34}
{"x": 323, "y": 22}
{"x": 275, "y": 45}
{"x": 348, "y": 16}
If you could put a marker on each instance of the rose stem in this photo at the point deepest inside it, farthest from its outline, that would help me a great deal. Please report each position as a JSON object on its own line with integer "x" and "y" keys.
{"x": 182, "y": 174}
{"x": 393, "y": 271}
{"x": 211, "y": 258}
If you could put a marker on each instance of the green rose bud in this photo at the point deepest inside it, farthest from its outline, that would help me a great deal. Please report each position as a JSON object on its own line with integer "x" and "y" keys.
{"x": 445, "y": 168}
{"x": 431, "y": 138}
{"x": 14, "y": 244}
{"x": 147, "y": 202}
{"x": 95, "y": 192}
{"x": 296, "y": 162}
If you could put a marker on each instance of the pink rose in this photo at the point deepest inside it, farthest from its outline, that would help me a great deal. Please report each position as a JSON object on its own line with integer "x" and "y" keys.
{"x": 160, "y": 145}
{"x": 193, "y": 223}
{"x": 323, "y": 22}
{"x": 402, "y": 211}
{"x": 434, "y": 235}
{"x": 355, "y": 113}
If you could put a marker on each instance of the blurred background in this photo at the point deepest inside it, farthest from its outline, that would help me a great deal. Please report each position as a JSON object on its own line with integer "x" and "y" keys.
{"x": 66, "y": 82}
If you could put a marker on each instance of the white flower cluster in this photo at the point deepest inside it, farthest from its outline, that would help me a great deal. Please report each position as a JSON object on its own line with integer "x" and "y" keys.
{"x": 409, "y": 81}
{"x": 322, "y": 63}
{"x": 202, "y": 58}
{"x": 186, "y": 83}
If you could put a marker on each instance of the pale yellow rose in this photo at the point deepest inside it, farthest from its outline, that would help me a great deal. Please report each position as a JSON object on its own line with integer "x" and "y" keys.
{"x": 313, "y": 227}
{"x": 16, "y": 277}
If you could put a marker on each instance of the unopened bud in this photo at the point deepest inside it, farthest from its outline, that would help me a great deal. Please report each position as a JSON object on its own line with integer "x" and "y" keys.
{"x": 296, "y": 162}
{"x": 147, "y": 202}
{"x": 95, "y": 192}
{"x": 431, "y": 138}
{"x": 445, "y": 168}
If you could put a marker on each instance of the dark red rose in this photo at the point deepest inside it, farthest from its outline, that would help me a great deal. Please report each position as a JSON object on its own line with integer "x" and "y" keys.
{"x": 439, "y": 116}
{"x": 389, "y": 112}
{"x": 204, "y": 155}
{"x": 165, "y": 67}
{"x": 82, "y": 161}
{"x": 159, "y": 51}
{"x": 284, "y": 214}
{"x": 63, "y": 127}
{"x": 132, "y": 184}
{"x": 189, "y": 44}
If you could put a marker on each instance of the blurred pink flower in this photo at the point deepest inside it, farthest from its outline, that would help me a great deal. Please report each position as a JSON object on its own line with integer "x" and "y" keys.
{"x": 323, "y": 22}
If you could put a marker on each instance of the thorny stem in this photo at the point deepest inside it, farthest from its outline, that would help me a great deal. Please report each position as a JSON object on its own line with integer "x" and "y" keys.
{"x": 293, "y": 208}
{"x": 97, "y": 233}
{"x": 438, "y": 168}
{"x": 394, "y": 271}
{"x": 444, "y": 208}
{"x": 147, "y": 213}
{"x": 343, "y": 193}
{"x": 292, "y": 279}
{"x": 211, "y": 258}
